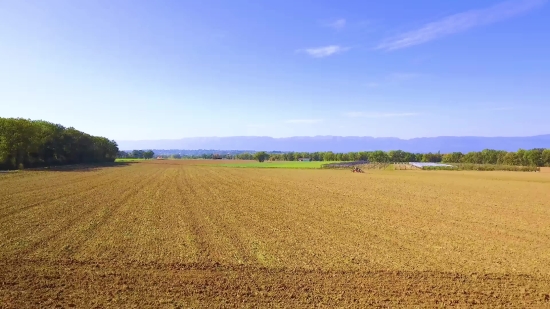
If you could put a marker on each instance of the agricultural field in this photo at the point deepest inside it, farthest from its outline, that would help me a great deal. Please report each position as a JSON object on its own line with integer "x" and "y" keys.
{"x": 183, "y": 233}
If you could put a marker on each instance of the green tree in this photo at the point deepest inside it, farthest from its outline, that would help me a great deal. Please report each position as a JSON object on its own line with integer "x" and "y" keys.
{"x": 329, "y": 156}
{"x": 33, "y": 143}
{"x": 149, "y": 154}
{"x": 472, "y": 157}
{"x": 511, "y": 158}
{"x": 431, "y": 157}
{"x": 137, "y": 154}
{"x": 289, "y": 156}
{"x": 245, "y": 156}
{"x": 533, "y": 157}
{"x": 317, "y": 156}
{"x": 522, "y": 157}
{"x": 546, "y": 157}
{"x": 455, "y": 157}
{"x": 489, "y": 156}
{"x": 378, "y": 156}
{"x": 409, "y": 157}
{"x": 501, "y": 154}
{"x": 261, "y": 156}
{"x": 396, "y": 156}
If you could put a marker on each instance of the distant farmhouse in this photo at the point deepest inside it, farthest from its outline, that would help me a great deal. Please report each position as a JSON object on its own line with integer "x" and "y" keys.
{"x": 304, "y": 159}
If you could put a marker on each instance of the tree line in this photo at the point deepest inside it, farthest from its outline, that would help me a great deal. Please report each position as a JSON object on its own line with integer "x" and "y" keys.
{"x": 26, "y": 143}
{"x": 533, "y": 157}
{"x": 137, "y": 154}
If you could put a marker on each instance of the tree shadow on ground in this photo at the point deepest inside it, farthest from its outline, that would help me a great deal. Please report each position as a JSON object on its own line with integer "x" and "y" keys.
{"x": 87, "y": 167}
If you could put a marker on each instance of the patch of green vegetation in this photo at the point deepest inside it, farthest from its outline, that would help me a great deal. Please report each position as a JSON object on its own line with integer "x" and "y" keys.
{"x": 129, "y": 160}
{"x": 278, "y": 164}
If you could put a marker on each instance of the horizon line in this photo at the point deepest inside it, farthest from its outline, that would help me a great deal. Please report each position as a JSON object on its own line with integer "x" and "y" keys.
{"x": 313, "y": 136}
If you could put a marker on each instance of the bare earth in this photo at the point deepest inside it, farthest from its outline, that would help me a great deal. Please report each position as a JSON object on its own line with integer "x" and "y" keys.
{"x": 170, "y": 234}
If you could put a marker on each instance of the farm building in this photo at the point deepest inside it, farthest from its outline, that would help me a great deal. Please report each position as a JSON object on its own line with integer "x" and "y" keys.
{"x": 304, "y": 159}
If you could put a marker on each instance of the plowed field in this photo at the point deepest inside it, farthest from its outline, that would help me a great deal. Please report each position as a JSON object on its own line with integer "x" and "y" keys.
{"x": 172, "y": 234}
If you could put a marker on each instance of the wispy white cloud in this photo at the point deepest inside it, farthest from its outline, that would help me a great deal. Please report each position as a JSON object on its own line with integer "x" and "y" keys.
{"x": 378, "y": 114}
{"x": 460, "y": 22}
{"x": 304, "y": 121}
{"x": 338, "y": 24}
{"x": 321, "y": 52}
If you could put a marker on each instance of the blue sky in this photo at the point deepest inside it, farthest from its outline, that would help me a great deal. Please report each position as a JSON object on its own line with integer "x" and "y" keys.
{"x": 131, "y": 70}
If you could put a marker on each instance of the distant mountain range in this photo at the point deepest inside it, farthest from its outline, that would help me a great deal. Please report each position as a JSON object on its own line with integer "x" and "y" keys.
{"x": 345, "y": 143}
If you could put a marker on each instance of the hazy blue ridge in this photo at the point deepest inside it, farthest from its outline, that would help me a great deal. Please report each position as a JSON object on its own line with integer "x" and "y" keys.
{"x": 344, "y": 143}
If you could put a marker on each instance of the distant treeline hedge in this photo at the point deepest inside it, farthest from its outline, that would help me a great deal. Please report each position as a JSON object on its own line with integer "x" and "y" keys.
{"x": 522, "y": 157}
{"x": 28, "y": 143}
{"x": 534, "y": 157}
{"x": 485, "y": 167}
{"x": 138, "y": 154}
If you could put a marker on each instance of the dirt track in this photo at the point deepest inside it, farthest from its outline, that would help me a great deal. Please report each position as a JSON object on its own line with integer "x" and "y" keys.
{"x": 174, "y": 235}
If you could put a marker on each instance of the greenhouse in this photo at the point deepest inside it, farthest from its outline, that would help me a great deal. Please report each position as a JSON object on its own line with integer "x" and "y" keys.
{"x": 429, "y": 164}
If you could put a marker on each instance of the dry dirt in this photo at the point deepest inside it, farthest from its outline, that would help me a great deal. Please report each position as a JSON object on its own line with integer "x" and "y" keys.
{"x": 169, "y": 234}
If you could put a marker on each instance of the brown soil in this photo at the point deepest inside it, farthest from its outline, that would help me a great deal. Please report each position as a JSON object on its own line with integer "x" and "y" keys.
{"x": 33, "y": 284}
{"x": 176, "y": 236}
